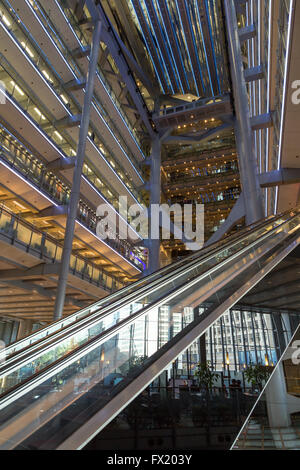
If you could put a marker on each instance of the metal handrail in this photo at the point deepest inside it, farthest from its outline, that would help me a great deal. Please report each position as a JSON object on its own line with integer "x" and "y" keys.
{"x": 134, "y": 289}
{"x": 190, "y": 106}
{"x": 92, "y": 322}
{"x": 183, "y": 337}
{"x": 15, "y": 221}
{"x": 43, "y": 185}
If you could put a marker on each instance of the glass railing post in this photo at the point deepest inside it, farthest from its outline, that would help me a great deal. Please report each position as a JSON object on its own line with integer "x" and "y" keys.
{"x": 43, "y": 245}
{"x": 75, "y": 264}
{"x": 13, "y": 231}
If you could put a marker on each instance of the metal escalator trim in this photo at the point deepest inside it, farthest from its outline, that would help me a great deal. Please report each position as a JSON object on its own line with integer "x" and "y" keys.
{"x": 291, "y": 245}
{"x": 172, "y": 351}
{"x": 57, "y": 366}
{"x": 219, "y": 244}
{"x": 92, "y": 320}
{"x": 172, "y": 294}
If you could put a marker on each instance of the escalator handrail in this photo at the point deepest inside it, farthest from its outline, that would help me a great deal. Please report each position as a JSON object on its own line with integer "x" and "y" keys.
{"x": 89, "y": 322}
{"x": 137, "y": 380}
{"x": 60, "y": 364}
{"x": 157, "y": 274}
{"x": 182, "y": 266}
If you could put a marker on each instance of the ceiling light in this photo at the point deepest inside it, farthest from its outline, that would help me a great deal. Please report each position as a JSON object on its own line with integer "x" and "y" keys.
{"x": 39, "y": 113}
{"x": 58, "y": 135}
{"x": 27, "y": 49}
{"x": 17, "y": 88}
{"x": 6, "y": 21}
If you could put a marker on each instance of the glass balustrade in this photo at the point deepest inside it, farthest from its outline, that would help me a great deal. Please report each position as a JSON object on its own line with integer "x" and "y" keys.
{"x": 77, "y": 29}
{"x": 129, "y": 291}
{"x": 36, "y": 172}
{"x": 43, "y": 245}
{"x": 200, "y": 274}
{"x": 36, "y": 56}
{"x": 84, "y": 377}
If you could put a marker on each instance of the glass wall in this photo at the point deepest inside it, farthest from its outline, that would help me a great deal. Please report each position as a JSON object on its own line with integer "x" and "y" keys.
{"x": 239, "y": 338}
{"x": 8, "y": 331}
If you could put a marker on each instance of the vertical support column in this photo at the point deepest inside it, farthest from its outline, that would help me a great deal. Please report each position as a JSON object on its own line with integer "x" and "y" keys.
{"x": 281, "y": 339}
{"x": 75, "y": 193}
{"x": 25, "y": 328}
{"x": 247, "y": 159}
{"x": 287, "y": 323}
{"x": 155, "y": 191}
{"x": 276, "y": 397}
{"x": 201, "y": 342}
{"x": 232, "y": 328}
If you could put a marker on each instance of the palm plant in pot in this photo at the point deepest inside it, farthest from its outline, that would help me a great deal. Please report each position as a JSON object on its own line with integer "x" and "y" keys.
{"x": 257, "y": 375}
{"x": 205, "y": 376}
{"x": 206, "y": 379}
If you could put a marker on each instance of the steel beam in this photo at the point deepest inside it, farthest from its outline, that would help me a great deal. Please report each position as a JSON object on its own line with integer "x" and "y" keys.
{"x": 262, "y": 121}
{"x": 75, "y": 192}
{"x": 237, "y": 213}
{"x": 190, "y": 138}
{"x": 249, "y": 32}
{"x": 278, "y": 293}
{"x": 31, "y": 288}
{"x": 75, "y": 85}
{"x": 247, "y": 158}
{"x": 81, "y": 52}
{"x": 109, "y": 36}
{"x": 42, "y": 269}
{"x": 254, "y": 73}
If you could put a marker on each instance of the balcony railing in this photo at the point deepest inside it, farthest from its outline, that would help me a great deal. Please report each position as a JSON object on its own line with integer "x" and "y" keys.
{"x": 43, "y": 117}
{"x": 44, "y": 180}
{"x": 193, "y": 105}
{"x": 44, "y": 18}
{"x": 47, "y": 248}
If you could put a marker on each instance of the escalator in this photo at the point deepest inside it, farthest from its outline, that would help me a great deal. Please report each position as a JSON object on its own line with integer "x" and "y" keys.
{"x": 59, "y": 387}
{"x": 25, "y": 357}
{"x": 129, "y": 291}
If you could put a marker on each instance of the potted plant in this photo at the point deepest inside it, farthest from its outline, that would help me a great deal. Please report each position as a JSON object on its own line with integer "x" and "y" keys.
{"x": 130, "y": 367}
{"x": 205, "y": 376}
{"x": 257, "y": 375}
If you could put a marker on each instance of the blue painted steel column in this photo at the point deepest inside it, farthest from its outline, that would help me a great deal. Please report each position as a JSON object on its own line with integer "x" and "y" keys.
{"x": 75, "y": 193}
{"x": 245, "y": 146}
